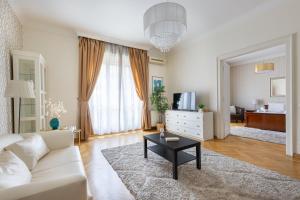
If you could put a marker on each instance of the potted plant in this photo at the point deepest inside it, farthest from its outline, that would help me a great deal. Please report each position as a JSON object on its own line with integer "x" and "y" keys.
{"x": 201, "y": 107}
{"x": 54, "y": 111}
{"x": 160, "y": 103}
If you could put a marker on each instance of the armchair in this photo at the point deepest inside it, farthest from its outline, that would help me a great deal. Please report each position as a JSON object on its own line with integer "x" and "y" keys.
{"x": 238, "y": 115}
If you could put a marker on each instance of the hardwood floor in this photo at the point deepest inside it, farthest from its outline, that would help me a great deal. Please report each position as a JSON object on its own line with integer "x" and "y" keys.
{"x": 106, "y": 185}
{"x": 104, "y": 182}
{"x": 263, "y": 154}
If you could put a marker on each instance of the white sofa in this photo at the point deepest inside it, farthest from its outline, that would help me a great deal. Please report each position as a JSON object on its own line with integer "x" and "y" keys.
{"x": 58, "y": 175}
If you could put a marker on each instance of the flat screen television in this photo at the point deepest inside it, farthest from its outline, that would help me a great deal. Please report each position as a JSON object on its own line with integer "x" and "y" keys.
{"x": 184, "y": 101}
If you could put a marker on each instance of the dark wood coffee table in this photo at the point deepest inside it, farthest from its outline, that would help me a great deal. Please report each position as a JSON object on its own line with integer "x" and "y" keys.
{"x": 172, "y": 151}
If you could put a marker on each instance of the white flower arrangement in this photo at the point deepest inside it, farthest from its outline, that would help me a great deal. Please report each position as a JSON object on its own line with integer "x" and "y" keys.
{"x": 55, "y": 109}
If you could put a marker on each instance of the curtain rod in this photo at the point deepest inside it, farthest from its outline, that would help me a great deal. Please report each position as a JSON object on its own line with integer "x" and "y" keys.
{"x": 109, "y": 41}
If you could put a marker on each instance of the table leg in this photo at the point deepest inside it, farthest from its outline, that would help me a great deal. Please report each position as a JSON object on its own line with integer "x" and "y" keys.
{"x": 79, "y": 138}
{"x": 145, "y": 148}
{"x": 175, "y": 176}
{"x": 198, "y": 156}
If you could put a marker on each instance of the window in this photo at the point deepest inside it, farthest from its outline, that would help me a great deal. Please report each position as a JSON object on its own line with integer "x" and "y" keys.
{"x": 114, "y": 104}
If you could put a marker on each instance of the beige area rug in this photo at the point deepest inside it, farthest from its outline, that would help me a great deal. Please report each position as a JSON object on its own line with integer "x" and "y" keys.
{"x": 258, "y": 134}
{"x": 221, "y": 177}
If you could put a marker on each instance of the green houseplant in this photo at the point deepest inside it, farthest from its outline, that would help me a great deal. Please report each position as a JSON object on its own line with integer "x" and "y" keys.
{"x": 201, "y": 107}
{"x": 160, "y": 103}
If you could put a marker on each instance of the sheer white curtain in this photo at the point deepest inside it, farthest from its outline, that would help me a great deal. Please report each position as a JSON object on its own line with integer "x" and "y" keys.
{"x": 114, "y": 104}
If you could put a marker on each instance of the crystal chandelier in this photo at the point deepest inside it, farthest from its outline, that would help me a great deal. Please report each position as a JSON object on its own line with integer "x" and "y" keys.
{"x": 165, "y": 24}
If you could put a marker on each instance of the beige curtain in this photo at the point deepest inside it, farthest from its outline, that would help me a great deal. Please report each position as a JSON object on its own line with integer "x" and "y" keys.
{"x": 139, "y": 65}
{"x": 90, "y": 59}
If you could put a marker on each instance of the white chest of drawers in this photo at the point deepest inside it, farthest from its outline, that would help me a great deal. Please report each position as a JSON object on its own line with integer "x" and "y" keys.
{"x": 190, "y": 124}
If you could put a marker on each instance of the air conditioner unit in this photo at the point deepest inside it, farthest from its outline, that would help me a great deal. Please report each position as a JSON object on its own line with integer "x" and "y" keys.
{"x": 158, "y": 61}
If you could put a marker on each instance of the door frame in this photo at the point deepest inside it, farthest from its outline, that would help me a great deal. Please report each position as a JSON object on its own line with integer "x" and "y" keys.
{"x": 288, "y": 41}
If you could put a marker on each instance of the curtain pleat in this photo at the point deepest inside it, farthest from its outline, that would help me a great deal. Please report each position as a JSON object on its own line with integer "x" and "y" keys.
{"x": 139, "y": 61}
{"x": 90, "y": 59}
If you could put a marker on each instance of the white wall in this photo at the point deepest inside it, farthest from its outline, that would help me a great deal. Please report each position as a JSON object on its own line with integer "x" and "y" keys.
{"x": 60, "y": 49}
{"x": 246, "y": 85}
{"x": 193, "y": 65}
{"x": 159, "y": 71}
{"x": 10, "y": 38}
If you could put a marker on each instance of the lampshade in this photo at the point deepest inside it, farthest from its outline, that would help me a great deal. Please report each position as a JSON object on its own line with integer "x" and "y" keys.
{"x": 164, "y": 24}
{"x": 19, "y": 89}
{"x": 255, "y": 101}
{"x": 264, "y": 68}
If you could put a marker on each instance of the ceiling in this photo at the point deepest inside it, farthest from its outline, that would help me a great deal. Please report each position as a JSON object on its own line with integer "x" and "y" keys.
{"x": 258, "y": 56}
{"x": 123, "y": 19}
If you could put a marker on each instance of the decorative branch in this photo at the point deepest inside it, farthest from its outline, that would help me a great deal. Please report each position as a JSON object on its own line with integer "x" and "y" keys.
{"x": 55, "y": 109}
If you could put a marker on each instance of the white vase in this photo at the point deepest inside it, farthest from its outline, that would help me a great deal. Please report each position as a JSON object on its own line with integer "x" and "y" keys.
{"x": 200, "y": 110}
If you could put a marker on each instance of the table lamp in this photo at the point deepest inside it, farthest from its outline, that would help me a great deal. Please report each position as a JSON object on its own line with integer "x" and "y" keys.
{"x": 255, "y": 103}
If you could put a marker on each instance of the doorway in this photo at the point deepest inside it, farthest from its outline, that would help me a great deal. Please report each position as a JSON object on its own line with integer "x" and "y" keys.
{"x": 223, "y": 119}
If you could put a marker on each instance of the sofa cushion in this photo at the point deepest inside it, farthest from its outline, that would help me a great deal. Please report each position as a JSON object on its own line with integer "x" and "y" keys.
{"x": 30, "y": 150}
{"x": 59, "y": 163}
{"x": 8, "y": 139}
{"x": 13, "y": 171}
{"x": 57, "y": 158}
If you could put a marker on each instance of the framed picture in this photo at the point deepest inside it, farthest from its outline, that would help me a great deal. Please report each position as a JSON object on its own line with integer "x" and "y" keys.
{"x": 278, "y": 87}
{"x": 157, "y": 82}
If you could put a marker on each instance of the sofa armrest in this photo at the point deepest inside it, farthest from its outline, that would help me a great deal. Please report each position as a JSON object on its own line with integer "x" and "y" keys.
{"x": 56, "y": 139}
{"x": 72, "y": 187}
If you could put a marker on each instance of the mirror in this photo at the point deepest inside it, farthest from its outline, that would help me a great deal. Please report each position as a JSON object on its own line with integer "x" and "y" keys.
{"x": 278, "y": 87}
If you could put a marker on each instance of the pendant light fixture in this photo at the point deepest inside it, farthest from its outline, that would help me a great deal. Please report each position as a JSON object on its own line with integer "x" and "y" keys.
{"x": 165, "y": 24}
{"x": 264, "y": 68}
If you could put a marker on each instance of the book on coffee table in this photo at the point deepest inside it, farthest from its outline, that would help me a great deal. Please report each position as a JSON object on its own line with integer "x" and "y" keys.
{"x": 172, "y": 139}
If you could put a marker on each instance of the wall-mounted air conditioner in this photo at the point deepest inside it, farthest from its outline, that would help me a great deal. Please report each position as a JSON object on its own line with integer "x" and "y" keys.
{"x": 157, "y": 61}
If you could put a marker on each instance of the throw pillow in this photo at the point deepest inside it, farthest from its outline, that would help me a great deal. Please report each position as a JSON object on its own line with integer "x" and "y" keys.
{"x": 30, "y": 150}
{"x": 232, "y": 110}
{"x": 13, "y": 171}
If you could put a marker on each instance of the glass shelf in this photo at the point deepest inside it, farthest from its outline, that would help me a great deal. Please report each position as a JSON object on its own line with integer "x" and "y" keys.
{"x": 28, "y": 126}
{"x": 30, "y": 66}
{"x": 26, "y": 70}
{"x": 28, "y": 107}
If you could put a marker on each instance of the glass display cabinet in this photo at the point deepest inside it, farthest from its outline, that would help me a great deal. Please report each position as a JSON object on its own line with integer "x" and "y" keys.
{"x": 31, "y": 67}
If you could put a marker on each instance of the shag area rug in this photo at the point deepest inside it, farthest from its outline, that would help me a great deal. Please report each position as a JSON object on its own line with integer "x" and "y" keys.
{"x": 221, "y": 177}
{"x": 258, "y": 134}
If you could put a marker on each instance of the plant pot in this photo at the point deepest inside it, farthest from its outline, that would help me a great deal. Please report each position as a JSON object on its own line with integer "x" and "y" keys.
{"x": 54, "y": 123}
{"x": 159, "y": 126}
{"x": 200, "y": 110}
